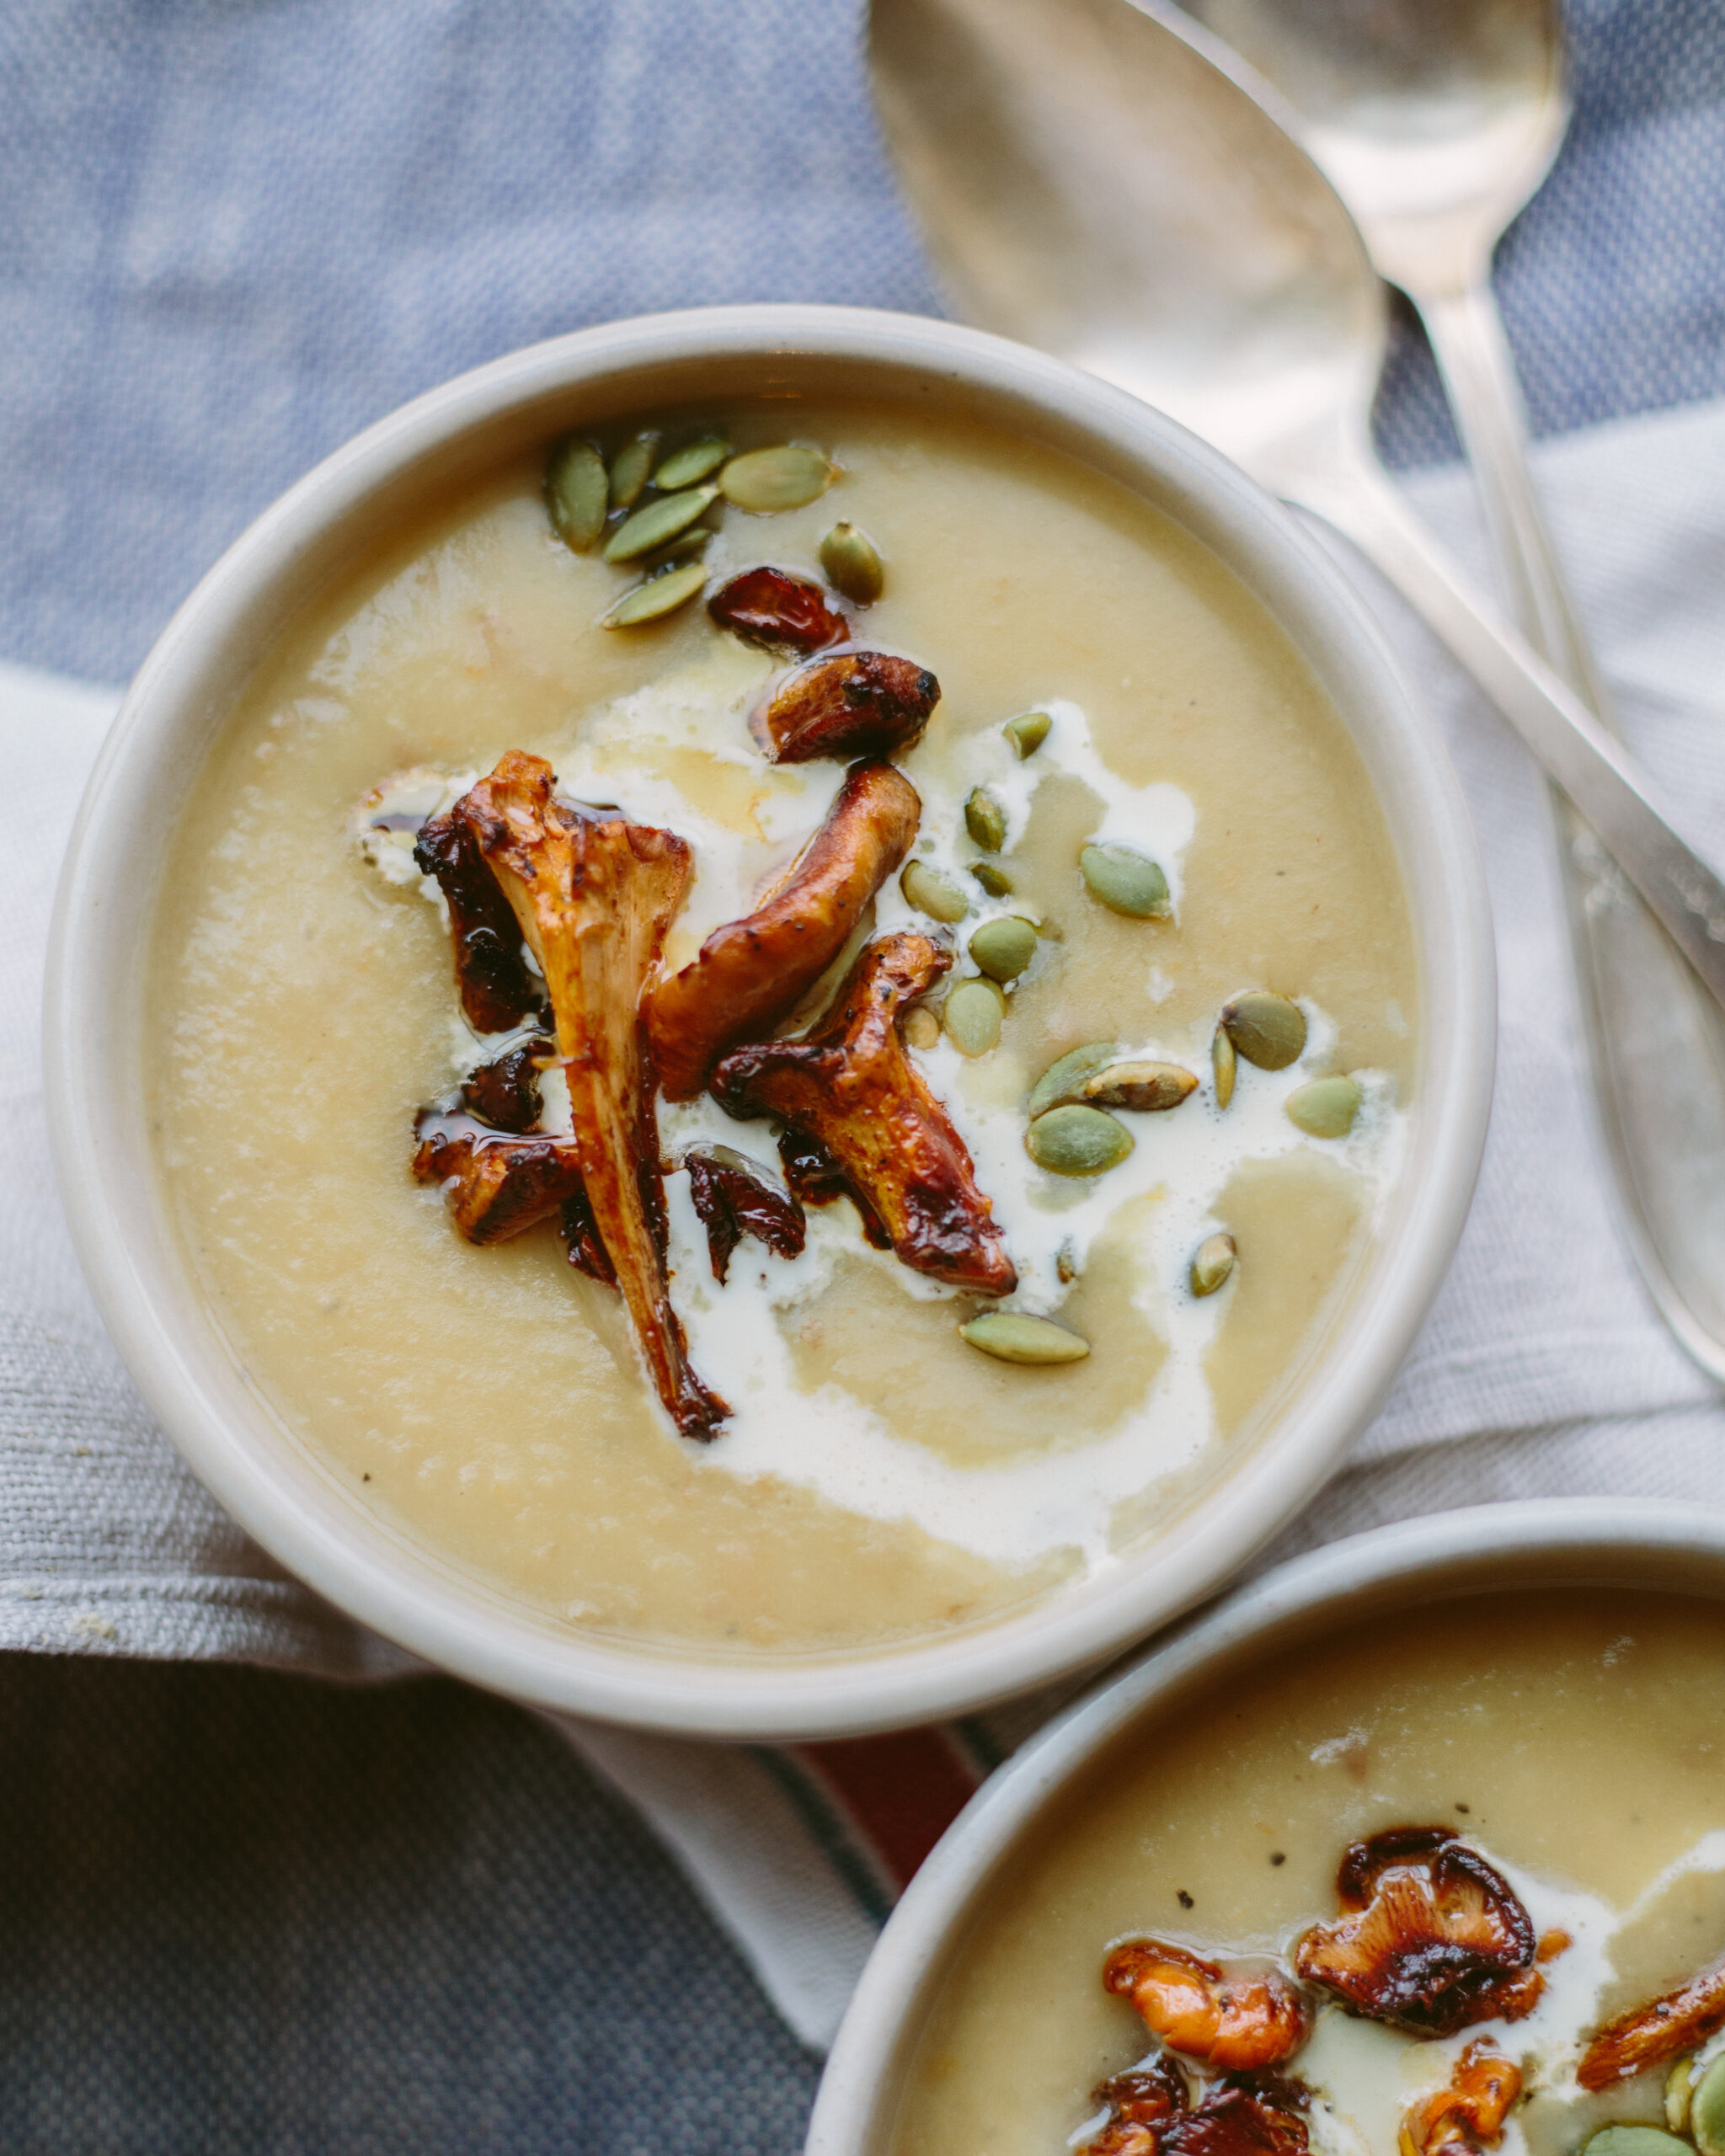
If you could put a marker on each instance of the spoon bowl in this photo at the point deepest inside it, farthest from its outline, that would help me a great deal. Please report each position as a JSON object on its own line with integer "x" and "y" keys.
{"x": 1092, "y": 178}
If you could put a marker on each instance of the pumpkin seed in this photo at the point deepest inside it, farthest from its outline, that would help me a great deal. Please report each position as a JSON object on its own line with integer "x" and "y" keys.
{"x": 973, "y": 1015}
{"x": 1124, "y": 880}
{"x": 1143, "y": 1087}
{"x": 575, "y": 493}
{"x": 1074, "y": 1141}
{"x": 629, "y": 469}
{"x": 1634, "y": 2141}
{"x": 1268, "y": 1030}
{"x": 1212, "y": 1262}
{"x": 1017, "y": 1337}
{"x": 657, "y": 597}
{"x": 1026, "y": 735}
{"x": 921, "y": 1027}
{"x": 691, "y": 463}
{"x": 1679, "y": 2090}
{"x": 931, "y": 893}
{"x": 661, "y": 520}
{"x": 852, "y": 564}
{"x": 995, "y": 881}
{"x": 1061, "y": 1080}
{"x": 985, "y": 820}
{"x": 1004, "y": 947}
{"x": 1707, "y": 2111}
{"x": 765, "y": 481}
{"x": 1223, "y": 1065}
{"x": 1326, "y": 1108}
{"x": 695, "y": 540}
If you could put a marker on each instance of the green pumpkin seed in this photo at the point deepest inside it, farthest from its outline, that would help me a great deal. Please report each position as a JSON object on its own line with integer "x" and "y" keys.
{"x": 1212, "y": 1262}
{"x": 1634, "y": 2141}
{"x": 1268, "y": 1030}
{"x": 575, "y": 493}
{"x": 985, "y": 820}
{"x": 657, "y": 597}
{"x": 686, "y": 466}
{"x": 1223, "y": 1063}
{"x": 1707, "y": 2111}
{"x": 1004, "y": 947}
{"x": 766, "y": 481}
{"x": 931, "y": 893}
{"x": 1026, "y": 735}
{"x": 1679, "y": 2090}
{"x": 1062, "y": 1079}
{"x": 1146, "y": 1088}
{"x": 921, "y": 1027}
{"x": 695, "y": 540}
{"x": 973, "y": 1015}
{"x": 1017, "y": 1337}
{"x": 1077, "y": 1141}
{"x": 852, "y": 564}
{"x": 995, "y": 881}
{"x": 661, "y": 520}
{"x": 1326, "y": 1108}
{"x": 629, "y": 469}
{"x": 1125, "y": 881}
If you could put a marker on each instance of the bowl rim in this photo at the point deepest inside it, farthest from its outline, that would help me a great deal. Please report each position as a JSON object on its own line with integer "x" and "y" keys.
{"x": 269, "y": 1485}
{"x": 1438, "y": 1556}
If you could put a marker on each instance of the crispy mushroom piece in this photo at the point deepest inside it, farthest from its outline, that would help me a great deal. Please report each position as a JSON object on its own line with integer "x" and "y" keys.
{"x": 594, "y": 895}
{"x": 1141, "y": 2104}
{"x": 734, "y": 1197}
{"x": 778, "y": 611}
{"x": 751, "y": 972}
{"x": 497, "y": 986}
{"x": 857, "y": 703}
{"x": 1468, "y": 2114}
{"x": 504, "y": 1092}
{"x": 1243, "y": 2114}
{"x": 1663, "y": 2030}
{"x": 1432, "y": 1939}
{"x": 496, "y": 1185}
{"x": 849, "y": 1084}
{"x": 816, "y": 1178}
{"x": 580, "y": 1239}
{"x": 1242, "y": 2023}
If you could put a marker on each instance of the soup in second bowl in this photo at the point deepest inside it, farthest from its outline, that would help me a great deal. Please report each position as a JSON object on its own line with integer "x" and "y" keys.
{"x": 1451, "y": 1882}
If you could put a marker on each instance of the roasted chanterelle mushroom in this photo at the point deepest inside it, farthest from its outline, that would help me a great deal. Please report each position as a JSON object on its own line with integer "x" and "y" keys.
{"x": 750, "y": 972}
{"x": 1243, "y": 2022}
{"x": 849, "y": 1084}
{"x": 592, "y": 896}
{"x": 1432, "y": 1937}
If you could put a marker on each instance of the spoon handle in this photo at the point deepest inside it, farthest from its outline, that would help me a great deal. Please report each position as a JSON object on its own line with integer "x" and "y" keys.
{"x": 1656, "y": 1041}
{"x": 1591, "y": 764}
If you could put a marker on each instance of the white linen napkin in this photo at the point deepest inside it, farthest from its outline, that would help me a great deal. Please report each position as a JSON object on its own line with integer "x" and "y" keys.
{"x": 1543, "y": 1368}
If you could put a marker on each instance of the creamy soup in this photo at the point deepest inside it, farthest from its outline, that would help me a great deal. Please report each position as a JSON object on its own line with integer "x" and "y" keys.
{"x": 1570, "y": 1742}
{"x": 880, "y": 1473}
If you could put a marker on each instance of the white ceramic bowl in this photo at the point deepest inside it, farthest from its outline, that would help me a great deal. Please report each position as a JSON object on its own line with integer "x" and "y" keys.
{"x": 236, "y": 1442}
{"x": 1600, "y": 1542}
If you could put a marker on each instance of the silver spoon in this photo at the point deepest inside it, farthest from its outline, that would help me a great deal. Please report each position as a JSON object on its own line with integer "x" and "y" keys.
{"x": 1435, "y": 125}
{"x": 1091, "y": 181}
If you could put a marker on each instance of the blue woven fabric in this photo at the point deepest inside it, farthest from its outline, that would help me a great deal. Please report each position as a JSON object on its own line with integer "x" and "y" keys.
{"x": 234, "y": 234}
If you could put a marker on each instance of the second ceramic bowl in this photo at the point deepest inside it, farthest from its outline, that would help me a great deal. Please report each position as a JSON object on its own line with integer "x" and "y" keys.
{"x": 1555, "y": 1544}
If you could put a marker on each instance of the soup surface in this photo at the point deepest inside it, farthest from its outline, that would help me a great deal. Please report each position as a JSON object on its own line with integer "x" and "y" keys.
{"x": 877, "y": 1477}
{"x": 1572, "y": 1742}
